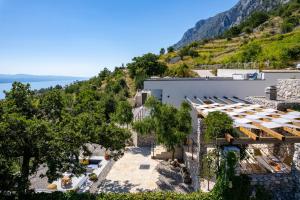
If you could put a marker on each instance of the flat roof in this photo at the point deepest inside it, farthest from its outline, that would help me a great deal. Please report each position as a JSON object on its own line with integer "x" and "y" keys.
{"x": 281, "y": 71}
{"x": 199, "y": 79}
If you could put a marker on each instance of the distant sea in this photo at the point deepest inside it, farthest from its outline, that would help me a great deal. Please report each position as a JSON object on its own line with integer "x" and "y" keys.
{"x": 36, "y": 85}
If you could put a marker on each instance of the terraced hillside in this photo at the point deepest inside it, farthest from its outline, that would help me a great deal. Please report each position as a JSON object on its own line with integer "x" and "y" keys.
{"x": 272, "y": 44}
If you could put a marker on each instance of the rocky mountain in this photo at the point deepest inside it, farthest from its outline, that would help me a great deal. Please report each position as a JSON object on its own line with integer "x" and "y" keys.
{"x": 214, "y": 26}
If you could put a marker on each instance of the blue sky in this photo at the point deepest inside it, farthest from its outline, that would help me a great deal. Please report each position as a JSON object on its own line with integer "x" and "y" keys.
{"x": 81, "y": 37}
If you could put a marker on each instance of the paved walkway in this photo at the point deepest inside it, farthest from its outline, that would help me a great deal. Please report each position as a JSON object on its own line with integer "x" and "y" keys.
{"x": 134, "y": 172}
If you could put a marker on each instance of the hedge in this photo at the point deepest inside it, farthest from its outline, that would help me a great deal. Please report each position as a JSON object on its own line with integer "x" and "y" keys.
{"x": 118, "y": 196}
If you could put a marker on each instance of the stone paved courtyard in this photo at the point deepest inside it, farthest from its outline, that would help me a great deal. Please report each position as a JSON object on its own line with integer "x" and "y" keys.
{"x": 137, "y": 172}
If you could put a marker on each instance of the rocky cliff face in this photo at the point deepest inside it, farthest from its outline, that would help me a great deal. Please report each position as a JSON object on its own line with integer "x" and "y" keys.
{"x": 216, "y": 25}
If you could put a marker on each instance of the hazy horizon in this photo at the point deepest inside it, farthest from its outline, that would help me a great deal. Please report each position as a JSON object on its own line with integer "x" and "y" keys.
{"x": 80, "y": 38}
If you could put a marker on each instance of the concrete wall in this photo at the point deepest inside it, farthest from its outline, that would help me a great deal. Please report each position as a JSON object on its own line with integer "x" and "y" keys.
{"x": 174, "y": 90}
{"x": 230, "y": 72}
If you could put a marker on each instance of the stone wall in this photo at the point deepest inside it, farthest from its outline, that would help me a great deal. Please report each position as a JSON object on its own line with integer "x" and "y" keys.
{"x": 280, "y": 104}
{"x": 296, "y": 170}
{"x": 288, "y": 89}
{"x": 282, "y": 186}
{"x": 140, "y": 140}
{"x": 193, "y": 167}
{"x": 145, "y": 140}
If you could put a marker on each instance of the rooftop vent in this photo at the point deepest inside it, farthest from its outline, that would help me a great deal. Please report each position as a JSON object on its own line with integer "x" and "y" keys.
{"x": 271, "y": 93}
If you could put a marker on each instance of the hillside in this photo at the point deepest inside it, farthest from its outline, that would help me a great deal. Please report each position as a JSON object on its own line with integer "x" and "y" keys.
{"x": 214, "y": 26}
{"x": 262, "y": 40}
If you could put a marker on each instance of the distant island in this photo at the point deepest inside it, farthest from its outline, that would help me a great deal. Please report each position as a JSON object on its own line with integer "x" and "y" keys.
{"x": 9, "y": 78}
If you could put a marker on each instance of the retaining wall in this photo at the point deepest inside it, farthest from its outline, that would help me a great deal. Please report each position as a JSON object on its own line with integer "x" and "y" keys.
{"x": 288, "y": 88}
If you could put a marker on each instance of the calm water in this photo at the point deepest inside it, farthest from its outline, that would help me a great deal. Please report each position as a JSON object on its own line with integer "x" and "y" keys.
{"x": 34, "y": 85}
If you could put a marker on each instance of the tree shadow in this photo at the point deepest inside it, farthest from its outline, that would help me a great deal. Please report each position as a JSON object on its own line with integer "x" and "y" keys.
{"x": 170, "y": 179}
{"x": 119, "y": 187}
{"x": 145, "y": 151}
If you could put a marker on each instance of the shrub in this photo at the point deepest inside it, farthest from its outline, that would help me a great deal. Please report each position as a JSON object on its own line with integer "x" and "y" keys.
{"x": 180, "y": 71}
{"x": 251, "y": 52}
{"x": 247, "y": 30}
{"x": 232, "y": 32}
{"x": 293, "y": 20}
{"x": 194, "y": 44}
{"x": 188, "y": 51}
{"x": 119, "y": 196}
{"x": 286, "y": 27}
{"x": 170, "y": 49}
{"x": 292, "y": 53}
{"x": 256, "y": 19}
{"x": 93, "y": 177}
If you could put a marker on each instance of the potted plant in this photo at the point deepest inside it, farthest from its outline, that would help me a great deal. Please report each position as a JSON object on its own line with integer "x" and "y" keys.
{"x": 93, "y": 177}
{"x": 106, "y": 156}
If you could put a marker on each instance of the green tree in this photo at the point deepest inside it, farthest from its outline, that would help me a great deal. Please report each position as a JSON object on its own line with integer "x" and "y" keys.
{"x": 187, "y": 51}
{"x": 162, "y": 51}
{"x": 123, "y": 114}
{"x": 209, "y": 166}
{"x": 104, "y": 73}
{"x": 24, "y": 138}
{"x": 169, "y": 124}
{"x": 184, "y": 51}
{"x": 170, "y": 49}
{"x": 52, "y": 104}
{"x": 114, "y": 139}
{"x": 232, "y": 32}
{"x": 217, "y": 124}
{"x": 148, "y": 63}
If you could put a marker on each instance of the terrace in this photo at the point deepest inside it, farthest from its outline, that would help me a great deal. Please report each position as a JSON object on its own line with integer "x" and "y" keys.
{"x": 268, "y": 134}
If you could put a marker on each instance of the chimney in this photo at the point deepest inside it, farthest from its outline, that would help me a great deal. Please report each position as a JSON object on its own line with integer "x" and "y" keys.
{"x": 271, "y": 93}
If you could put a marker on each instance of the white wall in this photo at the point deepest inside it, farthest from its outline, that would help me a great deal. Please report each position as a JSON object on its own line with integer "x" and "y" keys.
{"x": 230, "y": 72}
{"x": 175, "y": 90}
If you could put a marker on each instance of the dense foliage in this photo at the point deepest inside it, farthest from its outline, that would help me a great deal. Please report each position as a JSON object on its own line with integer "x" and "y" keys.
{"x": 230, "y": 186}
{"x": 52, "y": 128}
{"x": 180, "y": 71}
{"x": 170, "y": 125}
{"x": 145, "y": 66}
{"x": 217, "y": 124}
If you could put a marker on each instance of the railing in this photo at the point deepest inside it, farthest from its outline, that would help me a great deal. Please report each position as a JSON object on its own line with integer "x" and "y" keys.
{"x": 140, "y": 113}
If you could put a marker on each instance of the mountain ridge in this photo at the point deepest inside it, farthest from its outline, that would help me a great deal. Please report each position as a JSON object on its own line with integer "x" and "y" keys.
{"x": 218, "y": 24}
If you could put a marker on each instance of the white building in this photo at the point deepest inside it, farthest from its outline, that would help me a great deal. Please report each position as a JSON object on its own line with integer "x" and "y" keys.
{"x": 175, "y": 90}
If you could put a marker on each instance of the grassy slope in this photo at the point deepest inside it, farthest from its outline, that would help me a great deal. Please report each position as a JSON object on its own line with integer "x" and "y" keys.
{"x": 223, "y": 51}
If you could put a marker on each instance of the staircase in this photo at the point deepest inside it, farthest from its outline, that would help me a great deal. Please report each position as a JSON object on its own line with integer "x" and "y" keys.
{"x": 161, "y": 153}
